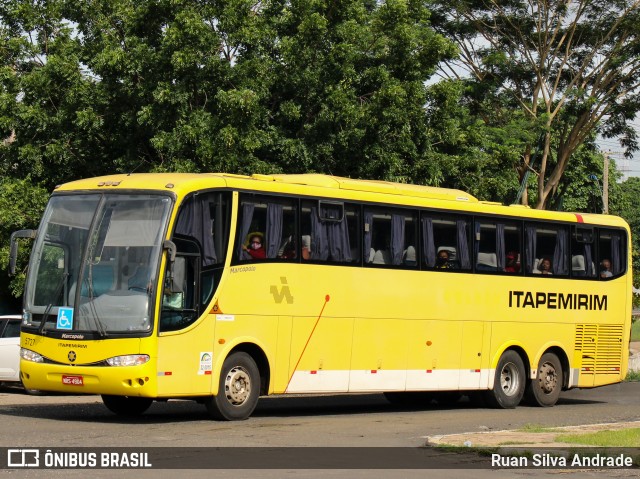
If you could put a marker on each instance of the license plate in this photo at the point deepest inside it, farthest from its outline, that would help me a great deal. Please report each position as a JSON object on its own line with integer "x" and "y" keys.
{"x": 72, "y": 380}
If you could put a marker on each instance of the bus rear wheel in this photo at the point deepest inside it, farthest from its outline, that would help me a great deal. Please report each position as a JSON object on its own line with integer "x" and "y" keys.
{"x": 509, "y": 382}
{"x": 545, "y": 389}
{"x": 238, "y": 390}
{"x": 129, "y": 406}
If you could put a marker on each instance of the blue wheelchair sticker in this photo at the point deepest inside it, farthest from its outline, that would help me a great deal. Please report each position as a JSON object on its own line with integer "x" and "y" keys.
{"x": 65, "y": 318}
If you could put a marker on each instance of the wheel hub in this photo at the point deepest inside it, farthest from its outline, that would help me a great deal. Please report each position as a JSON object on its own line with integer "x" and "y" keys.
{"x": 547, "y": 378}
{"x": 237, "y": 385}
{"x": 509, "y": 379}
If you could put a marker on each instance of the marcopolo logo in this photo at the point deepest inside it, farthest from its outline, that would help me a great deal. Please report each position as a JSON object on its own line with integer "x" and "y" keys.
{"x": 282, "y": 293}
{"x": 23, "y": 458}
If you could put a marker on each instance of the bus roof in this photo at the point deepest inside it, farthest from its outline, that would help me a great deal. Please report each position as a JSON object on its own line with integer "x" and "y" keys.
{"x": 313, "y": 184}
{"x": 161, "y": 180}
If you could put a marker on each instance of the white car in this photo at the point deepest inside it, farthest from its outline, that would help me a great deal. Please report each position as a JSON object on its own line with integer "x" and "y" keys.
{"x": 10, "y": 348}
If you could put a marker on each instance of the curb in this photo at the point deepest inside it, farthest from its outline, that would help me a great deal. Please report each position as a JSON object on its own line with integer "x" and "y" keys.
{"x": 521, "y": 438}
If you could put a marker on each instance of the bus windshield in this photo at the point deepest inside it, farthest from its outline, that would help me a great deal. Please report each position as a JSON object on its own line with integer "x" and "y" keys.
{"x": 95, "y": 261}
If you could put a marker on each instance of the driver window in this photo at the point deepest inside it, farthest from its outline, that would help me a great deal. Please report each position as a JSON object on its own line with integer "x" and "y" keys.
{"x": 180, "y": 296}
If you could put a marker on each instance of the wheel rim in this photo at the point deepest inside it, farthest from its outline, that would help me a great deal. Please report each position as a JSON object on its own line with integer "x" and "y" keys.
{"x": 237, "y": 385}
{"x": 509, "y": 379}
{"x": 547, "y": 378}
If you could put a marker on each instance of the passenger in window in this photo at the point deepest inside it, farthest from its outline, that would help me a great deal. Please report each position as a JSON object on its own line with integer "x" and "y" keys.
{"x": 545, "y": 266}
{"x": 255, "y": 248}
{"x": 442, "y": 262}
{"x": 410, "y": 256}
{"x": 605, "y": 272}
{"x": 306, "y": 247}
{"x": 512, "y": 266}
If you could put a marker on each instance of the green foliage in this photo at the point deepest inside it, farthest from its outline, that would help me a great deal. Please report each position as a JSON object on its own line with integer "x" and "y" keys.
{"x": 628, "y": 437}
{"x": 261, "y": 87}
{"x": 625, "y": 204}
{"x": 21, "y": 205}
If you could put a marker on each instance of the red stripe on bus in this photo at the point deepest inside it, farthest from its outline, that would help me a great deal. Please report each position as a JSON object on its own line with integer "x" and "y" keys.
{"x": 579, "y": 218}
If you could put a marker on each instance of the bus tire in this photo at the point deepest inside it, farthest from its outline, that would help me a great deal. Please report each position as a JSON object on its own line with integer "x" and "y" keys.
{"x": 545, "y": 389}
{"x": 509, "y": 382}
{"x": 238, "y": 390}
{"x": 129, "y": 406}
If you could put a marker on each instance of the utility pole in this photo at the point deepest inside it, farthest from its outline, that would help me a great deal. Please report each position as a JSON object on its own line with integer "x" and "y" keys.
{"x": 605, "y": 184}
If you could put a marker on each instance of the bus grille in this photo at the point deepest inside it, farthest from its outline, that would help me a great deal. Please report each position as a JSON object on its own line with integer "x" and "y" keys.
{"x": 601, "y": 348}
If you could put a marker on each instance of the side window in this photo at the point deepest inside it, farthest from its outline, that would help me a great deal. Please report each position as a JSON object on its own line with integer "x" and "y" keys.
{"x": 204, "y": 219}
{"x": 582, "y": 252}
{"x": 390, "y": 237}
{"x": 547, "y": 249}
{"x": 329, "y": 231}
{"x": 12, "y": 329}
{"x": 180, "y": 295}
{"x": 497, "y": 246}
{"x": 445, "y": 241}
{"x": 266, "y": 229}
{"x": 201, "y": 237}
{"x": 50, "y": 272}
{"x": 611, "y": 253}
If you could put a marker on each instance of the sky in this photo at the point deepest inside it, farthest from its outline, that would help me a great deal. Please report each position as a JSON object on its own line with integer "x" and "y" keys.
{"x": 628, "y": 166}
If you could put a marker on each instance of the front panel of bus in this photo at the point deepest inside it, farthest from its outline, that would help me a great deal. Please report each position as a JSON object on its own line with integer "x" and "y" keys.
{"x": 92, "y": 287}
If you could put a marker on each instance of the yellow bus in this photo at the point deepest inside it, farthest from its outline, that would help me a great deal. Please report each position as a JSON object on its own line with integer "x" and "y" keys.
{"x": 222, "y": 288}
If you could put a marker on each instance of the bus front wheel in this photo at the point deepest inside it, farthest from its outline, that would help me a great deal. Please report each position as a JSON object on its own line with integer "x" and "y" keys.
{"x": 126, "y": 405}
{"x": 509, "y": 382}
{"x": 238, "y": 390}
{"x": 545, "y": 389}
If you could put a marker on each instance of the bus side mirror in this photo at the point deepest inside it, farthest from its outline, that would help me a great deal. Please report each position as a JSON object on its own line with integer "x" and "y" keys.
{"x": 177, "y": 276}
{"x": 176, "y": 269}
{"x": 13, "y": 250}
{"x": 170, "y": 246}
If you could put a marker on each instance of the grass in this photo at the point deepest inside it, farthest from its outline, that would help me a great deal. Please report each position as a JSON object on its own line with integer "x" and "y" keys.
{"x": 635, "y": 331}
{"x": 632, "y": 376}
{"x": 618, "y": 438}
{"x": 635, "y": 336}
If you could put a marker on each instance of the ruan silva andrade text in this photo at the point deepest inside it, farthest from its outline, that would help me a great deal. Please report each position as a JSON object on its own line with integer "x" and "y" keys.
{"x": 531, "y": 299}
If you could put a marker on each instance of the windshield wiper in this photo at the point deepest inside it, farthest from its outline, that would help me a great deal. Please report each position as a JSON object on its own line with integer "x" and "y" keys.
{"x": 45, "y": 315}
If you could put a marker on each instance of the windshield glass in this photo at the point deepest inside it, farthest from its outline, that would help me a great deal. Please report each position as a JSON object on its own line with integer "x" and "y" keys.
{"x": 95, "y": 263}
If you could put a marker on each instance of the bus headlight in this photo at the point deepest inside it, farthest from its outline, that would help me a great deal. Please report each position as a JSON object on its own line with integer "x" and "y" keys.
{"x": 129, "y": 360}
{"x": 32, "y": 356}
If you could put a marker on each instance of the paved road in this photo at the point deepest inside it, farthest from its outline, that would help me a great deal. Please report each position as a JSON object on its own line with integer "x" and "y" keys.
{"x": 359, "y": 420}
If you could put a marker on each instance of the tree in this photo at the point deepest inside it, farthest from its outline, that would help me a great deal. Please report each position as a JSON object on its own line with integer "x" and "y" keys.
{"x": 267, "y": 86}
{"x": 625, "y": 204}
{"x": 49, "y": 129}
{"x": 21, "y": 206}
{"x": 569, "y": 67}
{"x": 90, "y": 87}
